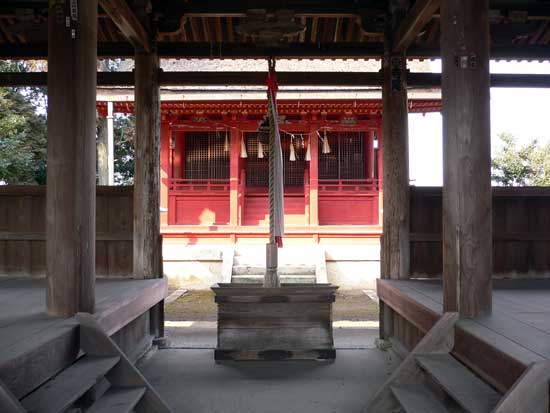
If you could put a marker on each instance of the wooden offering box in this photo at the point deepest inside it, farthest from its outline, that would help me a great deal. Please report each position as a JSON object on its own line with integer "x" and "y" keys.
{"x": 289, "y": 322}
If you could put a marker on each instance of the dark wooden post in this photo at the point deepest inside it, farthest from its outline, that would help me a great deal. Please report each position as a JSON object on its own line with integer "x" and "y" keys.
{"x": 395, "y": 153}
{"x": 467, "y": 229}
{"x": 70, "y": 200}
{"x": 147, "y": 167}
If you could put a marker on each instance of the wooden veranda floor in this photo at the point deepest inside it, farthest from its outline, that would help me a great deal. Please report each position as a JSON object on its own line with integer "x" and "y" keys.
{"x": 34, "y": 344}
{"x": 500, "y": 346}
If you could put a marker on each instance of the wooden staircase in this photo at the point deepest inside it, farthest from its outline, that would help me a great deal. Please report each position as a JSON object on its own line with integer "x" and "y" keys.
{"x": 102, "y": 380}
{"x": 430, "y": 379}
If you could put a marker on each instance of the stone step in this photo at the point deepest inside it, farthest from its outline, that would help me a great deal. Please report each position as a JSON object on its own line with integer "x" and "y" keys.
{"x": 63, "y": 390}
{"x": 418, "y": 398}
{"x": 285, "y": 279}
{"x": 258, "y": 258}
{"x": 260, "y": 261}
{"x": 468, "y": 390}
{"x": 118, "y": 400}
{"x": 283, "y": 269}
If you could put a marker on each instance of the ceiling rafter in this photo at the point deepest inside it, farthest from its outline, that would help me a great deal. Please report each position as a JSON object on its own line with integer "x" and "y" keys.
{"x": 416, "y": 19}
{"x": 127, "y": 22}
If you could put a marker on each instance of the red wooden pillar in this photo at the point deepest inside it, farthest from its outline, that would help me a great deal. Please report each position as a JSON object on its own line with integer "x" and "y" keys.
{"x": 179, "y": 149}
{"x": 71, "y": 194}
{"x": 314, "y": 180}
{"x": 234, "y": 187}
{"x": 165, "y": 172}
{"x": 380, "y": 173}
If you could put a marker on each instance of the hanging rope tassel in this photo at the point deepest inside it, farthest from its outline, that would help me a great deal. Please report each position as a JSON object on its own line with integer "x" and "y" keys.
{"x": 260, "y": 150}
{"x": 226, "y": 144}
{"x": 292, "y": 151}
{"x": 243, "y": 148}
{"x": 308, "y": 151}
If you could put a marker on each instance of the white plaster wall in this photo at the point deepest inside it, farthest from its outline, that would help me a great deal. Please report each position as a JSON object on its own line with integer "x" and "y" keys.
{"x": 200, "y": 267}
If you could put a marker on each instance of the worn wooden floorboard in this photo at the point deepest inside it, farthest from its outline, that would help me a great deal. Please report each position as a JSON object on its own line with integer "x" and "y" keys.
{"x": 520, "y": 315}
{"x": 30, "y": 337}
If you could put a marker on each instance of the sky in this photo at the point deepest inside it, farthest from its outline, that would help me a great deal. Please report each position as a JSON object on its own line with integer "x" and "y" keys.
{"x": 525, "y": 113}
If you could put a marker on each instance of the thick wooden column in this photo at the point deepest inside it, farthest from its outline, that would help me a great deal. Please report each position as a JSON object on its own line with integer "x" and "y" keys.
{"x": 105, "y": 148}
{"x": 467, "y": 229}
{"x": 147, "y": 249}
{"x": 314, "y": 179}
{"x": 70, "y": 200}
{"x": 234, "y": 162}
{"x": 395, "y": 153}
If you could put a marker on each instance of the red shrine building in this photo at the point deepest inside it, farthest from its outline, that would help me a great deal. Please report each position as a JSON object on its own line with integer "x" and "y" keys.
{"x": 214, "y": 179}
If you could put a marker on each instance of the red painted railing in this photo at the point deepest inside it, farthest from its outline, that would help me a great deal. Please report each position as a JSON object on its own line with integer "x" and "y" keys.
{"x": 348, "y": 185}
{"x": 194, "y": 185}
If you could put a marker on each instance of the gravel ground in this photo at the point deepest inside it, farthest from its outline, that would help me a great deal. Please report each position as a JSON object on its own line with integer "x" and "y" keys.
{"x": 199, "y": 305}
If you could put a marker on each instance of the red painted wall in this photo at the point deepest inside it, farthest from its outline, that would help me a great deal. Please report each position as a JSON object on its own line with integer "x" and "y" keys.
{"x": 256, "y": 210}
{"x": 201, "y": 210}
{"x": 348, "y": 210}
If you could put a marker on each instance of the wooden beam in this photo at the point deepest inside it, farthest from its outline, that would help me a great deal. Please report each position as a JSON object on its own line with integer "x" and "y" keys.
{"x": 350, "y": 79}
{"x": 127, "y": 22}
{"x": 416, "y": 19}
{"x": 467, "y": 203}
{"x": 310, "y": 50}
{"x": 71, "y": 195}
{"x": 147, "y": 254}
{"x": 395, "y": 153}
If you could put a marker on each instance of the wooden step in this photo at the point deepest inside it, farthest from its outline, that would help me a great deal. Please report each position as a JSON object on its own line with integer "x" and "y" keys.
{"x": 417, "y": 398}
{"x": 282, "y": 270}
{"x": 68, "y": 386}
{"x": 285, "y": 279}
{"x": 469, "y": 391}
{"x": 118, "y": 400}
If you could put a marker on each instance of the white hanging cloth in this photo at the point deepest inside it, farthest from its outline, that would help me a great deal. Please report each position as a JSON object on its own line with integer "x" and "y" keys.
{"x": 292, "y": 151}
{"x": 244, "y": 154}
{"x": 260, "y": 150}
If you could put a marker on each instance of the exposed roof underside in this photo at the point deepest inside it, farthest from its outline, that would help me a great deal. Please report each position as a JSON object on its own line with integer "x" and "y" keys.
{"x": 344, "y": 28}
{"x": 355, "y": 107}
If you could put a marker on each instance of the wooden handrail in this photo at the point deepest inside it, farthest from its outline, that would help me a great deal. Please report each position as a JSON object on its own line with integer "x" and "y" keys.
{"x": 198, "y": 184}
{"x": 340, "y": 185}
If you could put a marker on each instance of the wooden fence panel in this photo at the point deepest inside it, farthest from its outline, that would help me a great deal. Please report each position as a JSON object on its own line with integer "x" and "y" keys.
{"x": 23, "y": 227}
{"x": 521, "y": 232}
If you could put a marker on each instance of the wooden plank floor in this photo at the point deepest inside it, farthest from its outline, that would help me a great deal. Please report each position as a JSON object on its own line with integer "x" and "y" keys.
{"x": 29, "y": 335}
{"x": 521, "y": 311}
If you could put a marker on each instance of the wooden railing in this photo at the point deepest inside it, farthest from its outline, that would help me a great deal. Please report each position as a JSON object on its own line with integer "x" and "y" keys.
{"x": 348, "y": 185}
{"x": 190, "y": 185}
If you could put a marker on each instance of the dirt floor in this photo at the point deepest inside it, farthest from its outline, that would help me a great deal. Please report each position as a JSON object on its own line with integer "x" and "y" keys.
{"x": 198, "y": 305}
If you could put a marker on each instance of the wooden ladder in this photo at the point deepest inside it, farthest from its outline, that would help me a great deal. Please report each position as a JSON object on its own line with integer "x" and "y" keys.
{"x": 430, "y": 379}
{"x": 103, "y": 380}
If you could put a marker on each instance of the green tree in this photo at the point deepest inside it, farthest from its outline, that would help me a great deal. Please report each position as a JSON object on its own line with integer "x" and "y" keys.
{"x": 124, "y": 129}
{"x": 521, "y": 166}
{"x": 23, "y": 132}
